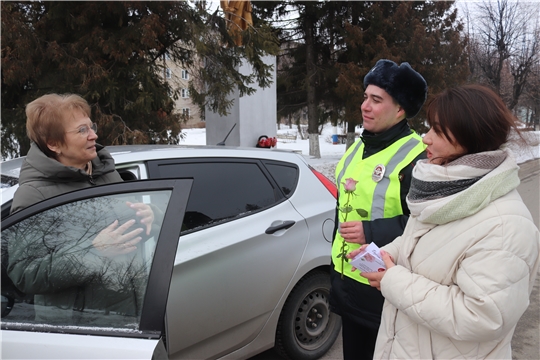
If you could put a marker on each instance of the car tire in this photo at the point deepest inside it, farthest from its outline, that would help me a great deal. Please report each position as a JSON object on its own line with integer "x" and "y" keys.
{"x": 307, "y": 328}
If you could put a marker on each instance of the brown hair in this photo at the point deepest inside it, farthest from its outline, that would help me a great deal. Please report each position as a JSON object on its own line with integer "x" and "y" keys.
{"x": 475, "y": 115}
{"x": 46, "y": 116}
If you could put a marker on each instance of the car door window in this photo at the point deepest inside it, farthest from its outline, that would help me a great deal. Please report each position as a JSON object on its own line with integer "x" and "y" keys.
{"x": 55, "y": 272}
{"x": 222, "y": 190}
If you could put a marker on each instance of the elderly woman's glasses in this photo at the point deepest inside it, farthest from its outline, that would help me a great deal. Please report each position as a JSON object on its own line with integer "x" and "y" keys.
{"x": 83, "y": 130}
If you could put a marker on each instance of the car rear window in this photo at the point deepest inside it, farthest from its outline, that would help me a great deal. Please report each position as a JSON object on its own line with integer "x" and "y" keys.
{"x": 285, "y": 175}
{"x": 222, "y": 190}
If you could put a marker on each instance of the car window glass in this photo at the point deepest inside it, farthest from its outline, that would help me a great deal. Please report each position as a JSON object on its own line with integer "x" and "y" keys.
{"x": 7, "y": 181}
{"x": 286, "y": 176}
{"x": 11, "y": 170}
{"x": 221, "y": 191}
{"x": 61, "y": 268}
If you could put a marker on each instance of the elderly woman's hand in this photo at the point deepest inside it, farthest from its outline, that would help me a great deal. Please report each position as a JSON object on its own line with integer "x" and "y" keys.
{"x": 145, "y": 213}
{"x": 113, "y": 240}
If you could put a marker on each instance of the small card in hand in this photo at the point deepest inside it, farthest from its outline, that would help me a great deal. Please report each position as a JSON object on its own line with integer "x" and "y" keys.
{"x": 369, "y": 260}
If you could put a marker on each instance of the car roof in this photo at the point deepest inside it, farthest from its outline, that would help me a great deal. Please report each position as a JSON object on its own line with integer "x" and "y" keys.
{"x": 130, "y": 153}
{"x": 127, "y": 153}
{"x": 11, "y": 167}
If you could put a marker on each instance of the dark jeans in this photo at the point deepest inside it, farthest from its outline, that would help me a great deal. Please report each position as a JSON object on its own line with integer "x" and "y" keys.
{"x": 358, "y": 341}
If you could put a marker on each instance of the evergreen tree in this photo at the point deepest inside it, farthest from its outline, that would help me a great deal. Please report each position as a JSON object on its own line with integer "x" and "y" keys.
{"x": 329, "y": 46}
{"x": 426, "y": 34}
{"x": 111, "y": 54}
{"x": 306, "y": 75}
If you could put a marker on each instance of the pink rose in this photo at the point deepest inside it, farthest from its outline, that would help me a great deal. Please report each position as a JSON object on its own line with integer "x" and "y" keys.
{"x": 350, "y": 185}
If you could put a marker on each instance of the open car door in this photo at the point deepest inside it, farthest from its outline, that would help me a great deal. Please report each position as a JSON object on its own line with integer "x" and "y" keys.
{"x": 72, "y": 287}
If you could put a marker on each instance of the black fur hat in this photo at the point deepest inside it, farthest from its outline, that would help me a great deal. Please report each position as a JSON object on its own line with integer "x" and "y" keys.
{"x": 405, "y": 85}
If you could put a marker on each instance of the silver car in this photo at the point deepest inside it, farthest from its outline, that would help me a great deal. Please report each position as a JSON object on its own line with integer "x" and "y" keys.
{"x": 237, "y": 261}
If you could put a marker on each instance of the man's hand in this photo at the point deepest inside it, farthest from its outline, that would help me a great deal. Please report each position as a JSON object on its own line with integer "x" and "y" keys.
{"x": 375, "y": 278}
{"x": 113, "y": 240}
{"x": 145, "y": 213}
{"x": 352, "y": 232}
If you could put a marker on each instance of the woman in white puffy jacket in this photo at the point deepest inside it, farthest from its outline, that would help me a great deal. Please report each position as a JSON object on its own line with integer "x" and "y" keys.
{"x": 459, "y": 278}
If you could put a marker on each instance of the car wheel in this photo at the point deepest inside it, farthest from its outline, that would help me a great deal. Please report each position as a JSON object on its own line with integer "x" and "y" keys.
{"x": 306, "y": 328}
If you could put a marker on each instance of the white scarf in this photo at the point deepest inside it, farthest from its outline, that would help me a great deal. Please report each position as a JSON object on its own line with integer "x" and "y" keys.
{"x": 443, "y": 193}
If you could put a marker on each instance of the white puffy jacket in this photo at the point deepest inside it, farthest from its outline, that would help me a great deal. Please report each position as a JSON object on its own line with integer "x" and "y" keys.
{"x": 459, "y": 289}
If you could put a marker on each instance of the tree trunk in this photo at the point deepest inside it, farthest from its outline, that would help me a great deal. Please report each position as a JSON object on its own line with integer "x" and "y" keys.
{"x": 314, "y": 146}
{"x": 299, "y": 128}
{"x": 24, "y": 145}
{"x": 351, "y": 134}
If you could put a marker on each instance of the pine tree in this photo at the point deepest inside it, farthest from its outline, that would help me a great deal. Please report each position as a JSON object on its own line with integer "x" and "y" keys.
{"x": 306, "y": 75}
{"x": 427, "y": 35}
{"x": 329, "y": 46}
{"x": 110, "y": 53}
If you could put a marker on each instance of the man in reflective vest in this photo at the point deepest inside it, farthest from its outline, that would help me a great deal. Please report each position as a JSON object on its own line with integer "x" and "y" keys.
{"x": 373, "y": 179}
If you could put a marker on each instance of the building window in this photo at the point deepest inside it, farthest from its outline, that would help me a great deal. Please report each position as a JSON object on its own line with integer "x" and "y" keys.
{"x": 185, "y": 75}
{"x": 167, "y": 56}
{"x": 185, "y": 93}
{"x": 185, "y": 112}
{"x": 168, "y": 73}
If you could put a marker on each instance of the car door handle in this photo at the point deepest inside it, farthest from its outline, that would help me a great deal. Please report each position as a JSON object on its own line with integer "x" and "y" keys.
{"x": 285, "y": 225}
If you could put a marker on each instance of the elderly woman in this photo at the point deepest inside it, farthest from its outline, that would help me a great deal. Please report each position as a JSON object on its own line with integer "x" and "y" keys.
{"x": 63, "y": 274}
{"x": 64, "y": 156}
{"x": 459, "y": 278}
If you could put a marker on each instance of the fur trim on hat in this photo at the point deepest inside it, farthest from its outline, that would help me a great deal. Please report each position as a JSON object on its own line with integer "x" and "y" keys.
{"x": 405, "y": 85}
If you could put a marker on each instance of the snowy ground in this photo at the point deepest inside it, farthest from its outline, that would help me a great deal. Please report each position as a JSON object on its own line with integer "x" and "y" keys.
{"x": 331, "y": 153}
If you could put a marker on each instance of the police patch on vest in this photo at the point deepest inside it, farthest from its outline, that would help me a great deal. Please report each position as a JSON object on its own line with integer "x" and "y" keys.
{"x": 378, "y": 173}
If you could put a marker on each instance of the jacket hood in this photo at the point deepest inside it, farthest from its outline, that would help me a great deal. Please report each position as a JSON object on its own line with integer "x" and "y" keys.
{"x": 38, "y": 166}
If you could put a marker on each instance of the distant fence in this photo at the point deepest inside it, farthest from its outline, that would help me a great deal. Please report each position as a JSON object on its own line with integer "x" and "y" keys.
{"x": 287, "y": 137}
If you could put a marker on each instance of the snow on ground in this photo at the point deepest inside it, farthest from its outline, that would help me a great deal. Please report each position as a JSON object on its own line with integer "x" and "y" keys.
{"x": 331, "y": 153}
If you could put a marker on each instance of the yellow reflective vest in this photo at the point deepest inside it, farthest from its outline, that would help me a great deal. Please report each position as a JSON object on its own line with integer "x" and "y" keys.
{"x": 377, "y": 191}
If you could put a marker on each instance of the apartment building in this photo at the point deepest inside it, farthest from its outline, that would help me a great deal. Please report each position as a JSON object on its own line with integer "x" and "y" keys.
{"x": 178, "y": 77}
